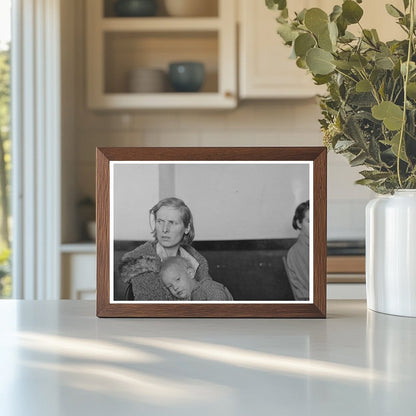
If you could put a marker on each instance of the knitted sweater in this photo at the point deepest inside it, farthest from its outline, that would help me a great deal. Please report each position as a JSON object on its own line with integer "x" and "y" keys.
{"x": 141, "y": 267}
{"x": 210, "y": 290}
{"x": 298, "y": 268}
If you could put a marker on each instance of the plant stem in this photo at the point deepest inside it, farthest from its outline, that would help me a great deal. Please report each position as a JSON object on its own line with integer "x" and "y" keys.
{"x": 405, "y": 81}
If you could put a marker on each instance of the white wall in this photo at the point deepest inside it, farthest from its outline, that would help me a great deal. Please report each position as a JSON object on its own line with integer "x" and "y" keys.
{"x": 136, "y": 190}
{"x": 243, "y": 201}
{"x": 228, "y": 201}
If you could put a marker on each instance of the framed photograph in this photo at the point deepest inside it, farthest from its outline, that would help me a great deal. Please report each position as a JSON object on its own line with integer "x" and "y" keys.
{"x": 211, "y": 232}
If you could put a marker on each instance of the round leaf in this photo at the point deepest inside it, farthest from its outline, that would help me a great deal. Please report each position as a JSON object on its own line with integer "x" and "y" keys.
{"x": 351, "y": 11}
{"x": 384, "y": 63}
{"x": 287, "y": 33}
{"x": 325, "y": 42}
{"x": 316, "y": 20}
{"x": 319, "y": 61}
{"x": 411, "y": 90}
{"x": 363, "y": 86}
{"x": 391, "y": 114}
{"x": 303, "y": 43}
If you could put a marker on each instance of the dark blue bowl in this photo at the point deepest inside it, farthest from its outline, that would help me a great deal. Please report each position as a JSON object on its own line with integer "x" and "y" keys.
{"x": 135, "y": 8}
{"x": 186, "y": 76}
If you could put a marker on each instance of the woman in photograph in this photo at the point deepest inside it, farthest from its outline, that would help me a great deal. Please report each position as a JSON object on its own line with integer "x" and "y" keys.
{"x": 173, "y": 231}
{"x": 297, "y": 263}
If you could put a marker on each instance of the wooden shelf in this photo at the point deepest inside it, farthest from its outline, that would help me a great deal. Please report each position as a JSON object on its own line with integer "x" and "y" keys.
{"x": 160, "y": 24}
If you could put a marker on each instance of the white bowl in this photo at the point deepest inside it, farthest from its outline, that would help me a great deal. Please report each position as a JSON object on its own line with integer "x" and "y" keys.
{"x": 191, "y": 8}
{"x": 147, "y": 80}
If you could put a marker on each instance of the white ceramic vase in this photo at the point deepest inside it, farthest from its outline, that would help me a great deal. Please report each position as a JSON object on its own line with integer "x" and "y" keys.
{"x": 391, "y": 253}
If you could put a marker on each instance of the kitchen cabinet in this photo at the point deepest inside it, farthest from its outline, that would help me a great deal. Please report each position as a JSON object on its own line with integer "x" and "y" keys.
{"x": 118, "y": 45}
{"x": 265, "y": 70}
{"x": 78, "y": 262}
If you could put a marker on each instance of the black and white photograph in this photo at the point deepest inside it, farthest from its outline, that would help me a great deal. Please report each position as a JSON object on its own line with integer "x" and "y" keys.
{"x": 211, "y": 232}
{"x": 218, "y": 232}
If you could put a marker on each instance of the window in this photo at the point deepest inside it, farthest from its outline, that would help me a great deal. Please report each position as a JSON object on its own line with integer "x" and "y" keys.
{"x": 5, "y": 147}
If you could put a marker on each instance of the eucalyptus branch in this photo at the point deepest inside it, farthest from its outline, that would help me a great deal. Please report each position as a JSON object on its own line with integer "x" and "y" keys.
{"x": 346, "y": 75}
{"x": 405, "y": 81}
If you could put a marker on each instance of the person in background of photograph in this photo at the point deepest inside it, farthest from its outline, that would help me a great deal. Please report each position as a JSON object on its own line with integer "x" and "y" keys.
{"x": 173, "y": 231}
{"x": 297, "y": 263}
{"x": 177, "y": 275}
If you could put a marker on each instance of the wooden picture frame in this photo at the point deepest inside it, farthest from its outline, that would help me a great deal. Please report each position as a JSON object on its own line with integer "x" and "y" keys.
{"x": 195, "y": 172}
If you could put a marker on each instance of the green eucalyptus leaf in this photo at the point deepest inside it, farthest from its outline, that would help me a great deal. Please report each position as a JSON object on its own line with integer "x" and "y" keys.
{"x": 333, "y": 32}
{"x": 358, "y": 61}
{"x": 303, "y": 43}
{"x": 411, "y": 90}
{"x": 276, "y": 4}
{"x": 287, "y": 33}
{"x": 393, "y": 11}
{"x": 301, "y": 63}
{"x": 368, "y": 36}
{"x": 281, "y": 19}
{"x": 374, "y": 174}
{"x": 325, "y": 42}
{"x": 319, "y": 61}
{"x": 384, "y": 62}
{"x": 391, "y": 114}
{"x": 301, "y": 15}
{"x": 375, "y": 35}
{"x": 347, "y": 37}
{"x": 336, "y": 12}
{"x": 358, "y": 160}
{"x": 343, "y": 145}
{"x": 316, "y": 20}
{"x": 321, "y": 79}
{"x": 363, "y": 86}
{"x": 342, "y": 25}
{"x": 351, "y": 11}
{"x": 394, "y": 143}
{"x": 344, "y": 65}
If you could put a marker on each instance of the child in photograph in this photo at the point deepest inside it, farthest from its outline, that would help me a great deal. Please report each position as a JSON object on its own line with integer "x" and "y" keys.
{"x": 177, "y": 275}
{"x": 297, "y": 263}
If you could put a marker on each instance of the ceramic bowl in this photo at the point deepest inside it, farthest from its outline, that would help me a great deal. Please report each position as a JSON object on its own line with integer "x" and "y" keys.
{"x": 191, "y": 8}
{"x": 147, "y": 80}
{"x": 186, "y": 76}
{"x": 135, "y": 8}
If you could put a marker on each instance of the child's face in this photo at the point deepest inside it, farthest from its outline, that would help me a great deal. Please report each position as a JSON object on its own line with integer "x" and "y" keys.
{"x": 178, "y": 282}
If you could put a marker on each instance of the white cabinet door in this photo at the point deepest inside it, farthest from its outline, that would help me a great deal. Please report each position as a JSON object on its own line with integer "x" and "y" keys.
{"x": 78, "y": 276}
{"x": 265, "y": 69}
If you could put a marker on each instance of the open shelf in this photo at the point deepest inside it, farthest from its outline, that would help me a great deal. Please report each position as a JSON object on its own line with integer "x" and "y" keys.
{"x": 118, "y": 45}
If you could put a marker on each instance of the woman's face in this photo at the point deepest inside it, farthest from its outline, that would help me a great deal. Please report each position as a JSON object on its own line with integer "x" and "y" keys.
{"x": 304, "y": 226}
{"x": 169, "y": 227}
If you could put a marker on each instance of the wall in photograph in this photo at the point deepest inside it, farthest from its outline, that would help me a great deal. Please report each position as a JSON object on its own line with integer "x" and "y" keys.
{"x": 136, "y": 190}
{"x": 237, "y": 202}
{"x": 228, "y": 201}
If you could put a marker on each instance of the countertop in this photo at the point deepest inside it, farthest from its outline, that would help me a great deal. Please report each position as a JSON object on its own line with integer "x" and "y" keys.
{"x": 57, "y": 358}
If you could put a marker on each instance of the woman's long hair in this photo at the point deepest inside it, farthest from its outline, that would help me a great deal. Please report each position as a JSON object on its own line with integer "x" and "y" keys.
{"x": 185, "y": 212}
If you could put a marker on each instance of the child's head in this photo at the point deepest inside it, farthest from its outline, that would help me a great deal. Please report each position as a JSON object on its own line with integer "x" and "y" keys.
{"x": 301, "y": 218}
{"x": 176, "y": 274}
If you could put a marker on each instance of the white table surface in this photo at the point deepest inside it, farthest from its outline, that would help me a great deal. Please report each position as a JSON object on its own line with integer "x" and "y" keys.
{"x": 57, "y": 358}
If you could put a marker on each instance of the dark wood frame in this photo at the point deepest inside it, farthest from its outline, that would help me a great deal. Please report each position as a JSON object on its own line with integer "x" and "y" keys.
{"x": 317, "y": 309}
